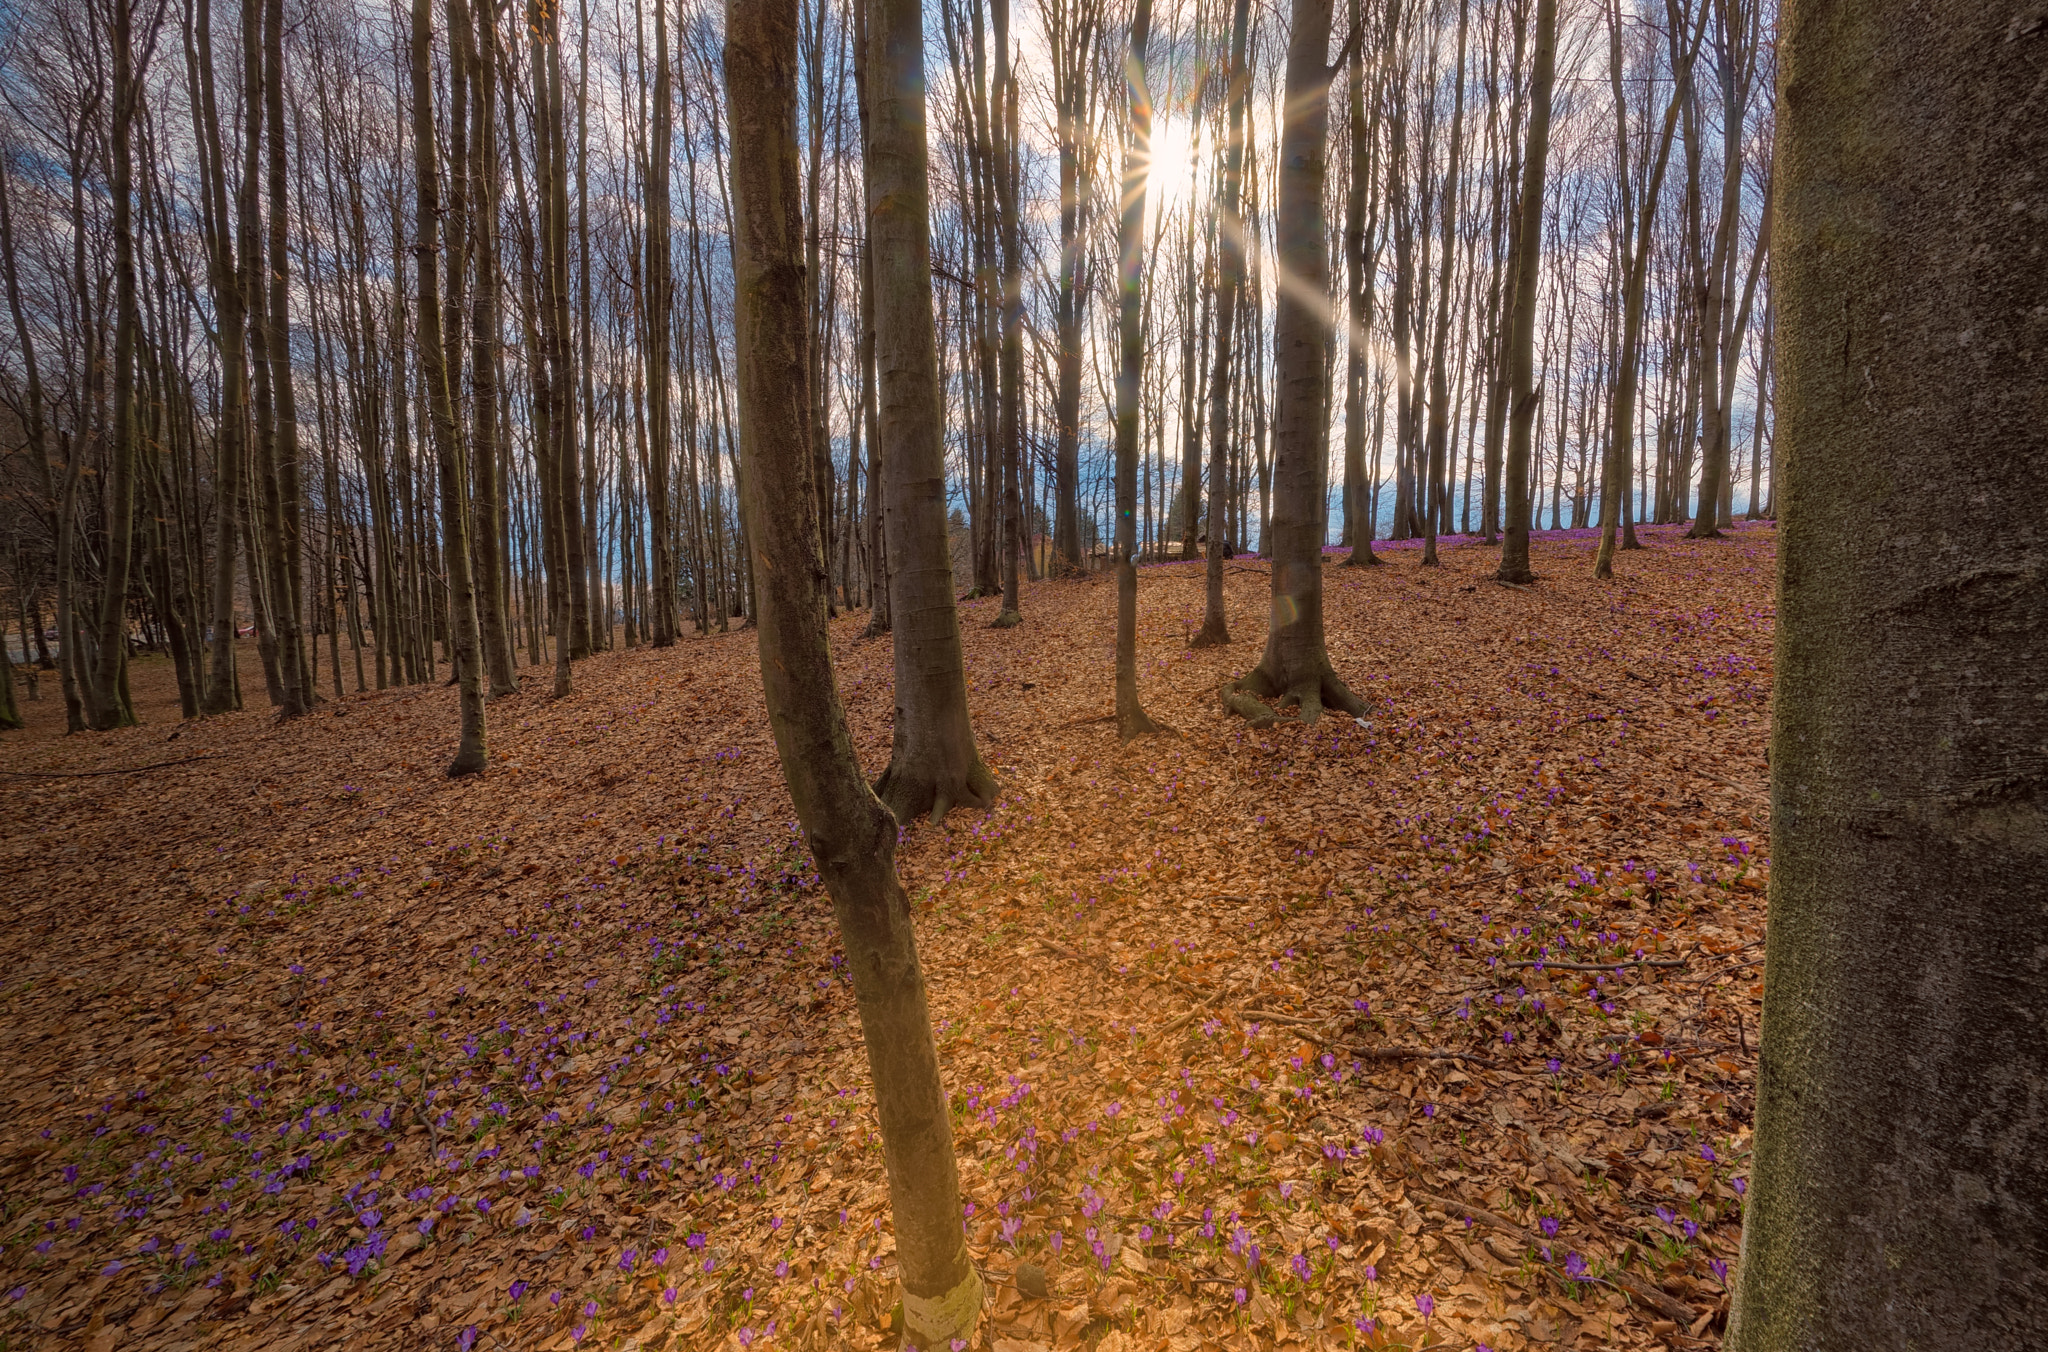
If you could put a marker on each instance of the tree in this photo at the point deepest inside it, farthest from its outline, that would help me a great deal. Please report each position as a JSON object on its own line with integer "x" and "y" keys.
{"x": 933, "y": 764}
{"x": 1521, "y": 343}
{"x": 10, "y": 716}
{"x": 1636, "y": 221}
{"x": 1131, "y": 718}
{"x": 470, "y": 754}
{"x": 1358, "y": 297}
{"x": 852, "y": 835}
{"x": 1296, "y": 669}
{"x": 1072, "y": 31}
{"x": 658, "y": 309}
{"x": 1215, "y": 630}
{"x": 1901, "y": 1152}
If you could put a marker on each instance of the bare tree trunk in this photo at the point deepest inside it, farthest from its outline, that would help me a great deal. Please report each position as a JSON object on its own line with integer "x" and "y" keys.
{"x": 1360, "y": 499}
{"x": 1522, "y": 395}
{"x": 934, "y": 764}
{"x": 471, "y": 755}
{"x": 1296, "y": 669}
{"x": 1073, "y": 27}
{"x": 658, "y": 308}
{"x": 852, "y": 835}
{"x": 490, "y": 546}
{"x": 1131, "y": 718}
{"x": 1439, "y": 366}
{"x": 1898, "y": 1106}
{"x": 878, "y": 553}
{"x": 1215, "y": 631}
{"x": 1637, "y": 222}
{"x": 1009, "y": 443}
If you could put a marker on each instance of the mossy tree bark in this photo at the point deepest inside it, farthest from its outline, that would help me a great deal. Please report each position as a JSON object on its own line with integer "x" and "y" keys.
{"x": 852, "y": 835}
{"x": 1295, "y": 669}
{"x": 1131, "y": 718}
{"x": 1901, "y": 1154}
{"x": 933, "y": 765}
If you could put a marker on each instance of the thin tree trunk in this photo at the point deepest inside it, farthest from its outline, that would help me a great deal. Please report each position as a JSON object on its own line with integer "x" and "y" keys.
{"x": 471, "y": 755}
{"x": 1215, "y": 631}
{"x": 1131, "y": 718}
{"x": 1522, "y": 395}
{"x": 934, "y": 764}
{"x": 1296, "y": 666}
{"x": 851, "y": 834}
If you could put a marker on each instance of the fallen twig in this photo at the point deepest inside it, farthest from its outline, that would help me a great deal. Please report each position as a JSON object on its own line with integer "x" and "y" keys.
{"x": 1596, "y": 966}
{"x": 122, "y": 770}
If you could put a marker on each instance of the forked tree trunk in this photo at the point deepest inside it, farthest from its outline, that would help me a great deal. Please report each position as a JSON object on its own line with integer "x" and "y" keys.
{"x": 1296, "y": 667}
{"x": 1528, "y": 253}
{"x": 1901, "y": 1150}
{"x": 852, "y": 836}
{"x": 1131, "y": 718}
{"x": 934, "y": 764}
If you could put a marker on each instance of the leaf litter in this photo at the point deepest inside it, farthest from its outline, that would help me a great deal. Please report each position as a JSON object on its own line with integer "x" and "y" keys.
{"x": 1434, "y": 1028}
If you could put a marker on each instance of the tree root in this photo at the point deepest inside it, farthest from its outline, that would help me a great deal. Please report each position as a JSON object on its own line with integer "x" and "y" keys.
{"x": 1315, "y": 691}
{"x": 909, "y": 796}
{"x": 1008, "y": 619}
{"x": 1247, "y": 706}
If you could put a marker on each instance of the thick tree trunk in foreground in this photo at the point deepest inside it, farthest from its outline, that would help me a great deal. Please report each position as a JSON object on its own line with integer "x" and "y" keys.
{"x": 1296, "y": 666}
{"x": 934, "y": 764}
{"x": 470, "y": 755}
{"x": 852, "y": 835}
{"x": 1901, "y": 1159}
{"x": 1528, "y": 254}
{"x": 1131, "y": 718}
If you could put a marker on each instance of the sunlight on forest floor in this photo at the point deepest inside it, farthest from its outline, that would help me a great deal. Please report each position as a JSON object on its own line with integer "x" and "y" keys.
{"x": 313, "y": 1047}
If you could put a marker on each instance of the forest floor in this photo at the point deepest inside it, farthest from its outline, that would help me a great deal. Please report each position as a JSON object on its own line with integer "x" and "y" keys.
{"x": 1433, "y": 1031}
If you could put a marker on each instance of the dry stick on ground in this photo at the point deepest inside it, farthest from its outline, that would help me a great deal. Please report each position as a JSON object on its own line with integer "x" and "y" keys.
{"x": 1657, "y": 1300}
{"x": 122, "y": 770}
{"x": 1594, "y": 966}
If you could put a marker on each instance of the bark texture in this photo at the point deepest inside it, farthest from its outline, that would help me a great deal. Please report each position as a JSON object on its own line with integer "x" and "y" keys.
{"x": 1528, "y": 253}
{"x": 1296, "y": 667}
{"x": 1131, "y": 718}
{"x": 470, "y": 753}
{"x": 852, "y": 835}
{"x": 933, "y": 765}
{"x": 1215, "y": 630}
{"x": 1899, "y": 1191}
